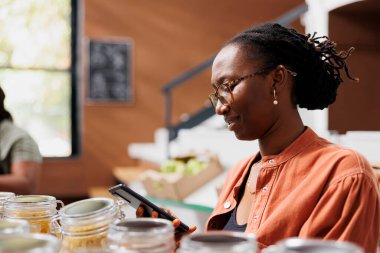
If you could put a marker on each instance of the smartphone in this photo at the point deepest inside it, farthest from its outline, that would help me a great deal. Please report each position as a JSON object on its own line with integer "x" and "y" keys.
{"x": 135, "y": 200}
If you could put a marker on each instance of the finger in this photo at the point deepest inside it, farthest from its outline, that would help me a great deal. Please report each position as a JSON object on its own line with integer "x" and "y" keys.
{"x": 177, "y": 244}
{"x": 192, "y": 229}
{"x": 169, "y": 212}
{"x": 154, "y": 214}
{"x": 140, "y": 211}
{"x": 176, "y": 223}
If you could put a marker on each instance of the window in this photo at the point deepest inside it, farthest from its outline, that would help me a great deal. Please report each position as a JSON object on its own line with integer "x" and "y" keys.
{"x": 37, "y": 71}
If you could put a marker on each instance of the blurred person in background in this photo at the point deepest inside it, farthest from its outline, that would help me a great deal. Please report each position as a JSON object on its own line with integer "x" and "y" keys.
{"x": 20, "y": 158}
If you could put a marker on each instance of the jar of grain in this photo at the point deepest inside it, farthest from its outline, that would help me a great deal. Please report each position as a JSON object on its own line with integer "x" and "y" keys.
{"x": 142, "y": 235}
{"x": 38, "y": 210}
{"x": 84, "y": 224}
{"x": 219, "y": 242}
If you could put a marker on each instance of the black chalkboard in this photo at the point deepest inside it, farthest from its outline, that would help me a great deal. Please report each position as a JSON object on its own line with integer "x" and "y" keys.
{"x": 110, "y": 71}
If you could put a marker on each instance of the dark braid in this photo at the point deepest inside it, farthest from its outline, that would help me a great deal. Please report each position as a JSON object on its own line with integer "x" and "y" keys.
{"x": 315, "y": 60}
{"x": 4, "y": 114}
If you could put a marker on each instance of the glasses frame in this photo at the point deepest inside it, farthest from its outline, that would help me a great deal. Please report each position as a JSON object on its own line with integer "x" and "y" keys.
{"x": 215, "y": 97}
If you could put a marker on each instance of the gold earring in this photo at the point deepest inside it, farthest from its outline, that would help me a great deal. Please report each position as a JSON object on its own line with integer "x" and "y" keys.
{"x": 275, "y": 101}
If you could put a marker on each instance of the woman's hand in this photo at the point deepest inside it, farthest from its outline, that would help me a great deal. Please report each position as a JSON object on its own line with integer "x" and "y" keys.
{"x": 176, "y": 222}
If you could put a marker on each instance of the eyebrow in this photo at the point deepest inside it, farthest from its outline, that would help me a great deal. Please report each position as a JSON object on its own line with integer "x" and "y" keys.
{"x": 221, "y": 81}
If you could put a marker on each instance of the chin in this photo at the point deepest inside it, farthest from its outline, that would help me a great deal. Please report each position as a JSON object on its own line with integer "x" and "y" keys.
{"x": 244, "y": 137}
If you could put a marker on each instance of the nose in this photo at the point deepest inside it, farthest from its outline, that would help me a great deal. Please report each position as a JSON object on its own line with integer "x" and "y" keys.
{"x": 221, "y": 109}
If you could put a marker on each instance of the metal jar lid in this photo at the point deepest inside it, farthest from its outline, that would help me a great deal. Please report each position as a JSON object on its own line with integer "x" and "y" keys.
{"x": 219, "y": 241}
{"x": 297, "y": 245}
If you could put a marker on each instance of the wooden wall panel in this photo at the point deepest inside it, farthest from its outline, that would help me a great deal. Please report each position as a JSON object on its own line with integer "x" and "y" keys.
{"x": 169, "y": 38}
{"x": 357, "y": 107}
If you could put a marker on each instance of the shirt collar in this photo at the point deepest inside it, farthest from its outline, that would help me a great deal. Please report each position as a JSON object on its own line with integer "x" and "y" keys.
{"x": 297, "y": 146}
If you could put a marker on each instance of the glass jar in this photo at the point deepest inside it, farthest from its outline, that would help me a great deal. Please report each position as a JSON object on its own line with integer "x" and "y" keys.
{"x": 3, "y": 197}
{"x": 142, "y": 235}
{"x": 38, "y": 210}
{"x": 294, "y": 245}
{"x": 218, "y": 242}
{"x": 14, "y": 226}
{"x": 85, "y": 223}
{"x": 28, "y": 243}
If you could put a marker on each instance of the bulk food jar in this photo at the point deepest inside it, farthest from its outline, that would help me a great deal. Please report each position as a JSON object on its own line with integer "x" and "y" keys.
{"x": 28, "y": 243}
{"x": 13, "y": 226}
{"x": 295, "y": 245}
{"x": 142, "y": 235}
{"x": 38, "y": 210}
{"x": 3, "y": 197}
{"x": 85, "y": 223}
{"x": 218, "y": 242}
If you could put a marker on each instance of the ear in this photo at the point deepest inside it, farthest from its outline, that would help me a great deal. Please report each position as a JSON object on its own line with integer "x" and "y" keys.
{"x": 279, "y": 76}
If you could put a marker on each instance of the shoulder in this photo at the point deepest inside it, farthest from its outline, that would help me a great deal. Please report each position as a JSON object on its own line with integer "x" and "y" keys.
{"x": 19, "y": 142}
{"x": 9, "y": 131}
{"x": 341, "y": 162}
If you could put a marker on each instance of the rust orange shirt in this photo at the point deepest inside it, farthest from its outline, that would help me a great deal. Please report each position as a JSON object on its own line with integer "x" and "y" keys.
{"x": 314, "y": 188}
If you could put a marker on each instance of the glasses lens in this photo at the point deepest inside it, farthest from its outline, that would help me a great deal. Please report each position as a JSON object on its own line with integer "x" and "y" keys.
{"x": 225, "y": 95}
{"x": 213, "y": 99}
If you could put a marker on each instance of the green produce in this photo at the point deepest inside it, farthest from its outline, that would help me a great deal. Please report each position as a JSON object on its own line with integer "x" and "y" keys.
{"x": 191, "y": 167}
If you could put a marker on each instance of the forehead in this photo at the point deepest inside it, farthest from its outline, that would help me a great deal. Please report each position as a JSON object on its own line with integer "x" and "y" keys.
{"x": 231, "y": 60}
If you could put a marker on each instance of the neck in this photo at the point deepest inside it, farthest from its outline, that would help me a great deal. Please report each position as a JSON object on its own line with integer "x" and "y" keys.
{"x": 281, "y": 135}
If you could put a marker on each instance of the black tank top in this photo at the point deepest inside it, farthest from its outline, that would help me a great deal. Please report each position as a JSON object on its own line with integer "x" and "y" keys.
{"x": 231, "y": 224}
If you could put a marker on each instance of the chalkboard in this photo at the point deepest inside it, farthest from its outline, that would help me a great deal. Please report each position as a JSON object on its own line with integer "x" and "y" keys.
{"x": 110, "y": 71}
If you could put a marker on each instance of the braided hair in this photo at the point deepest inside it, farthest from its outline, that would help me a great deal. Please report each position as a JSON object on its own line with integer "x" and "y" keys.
{"x": 315, "y": 60}
{"x": 4, "y": 114}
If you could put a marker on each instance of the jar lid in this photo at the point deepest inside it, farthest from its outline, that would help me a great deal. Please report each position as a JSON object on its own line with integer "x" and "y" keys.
{"x": 219, "y": 241}
{"x": 295, "y": 245}
{"x": 87, "y": 207}
{"x": 13, "y": 243}
{"x": 146, "y": 226}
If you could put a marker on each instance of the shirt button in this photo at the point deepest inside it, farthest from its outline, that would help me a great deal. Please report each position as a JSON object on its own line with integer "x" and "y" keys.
{"x": 255, "y": 217}
{"x": 265, "y": 189}
{"x": 271, "y": 161}
{"x": 227, "y": 204}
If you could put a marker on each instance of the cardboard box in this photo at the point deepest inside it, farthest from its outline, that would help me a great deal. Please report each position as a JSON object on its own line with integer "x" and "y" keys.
{"x": 177, "y": 186}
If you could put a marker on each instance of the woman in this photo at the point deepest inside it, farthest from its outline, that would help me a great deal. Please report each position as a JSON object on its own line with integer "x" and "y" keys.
{"x": 20, "y": 159}
{"x": 298, "y": 184}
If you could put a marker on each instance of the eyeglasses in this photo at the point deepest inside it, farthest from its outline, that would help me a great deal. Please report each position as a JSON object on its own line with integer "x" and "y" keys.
{"x": 223, "y": 92}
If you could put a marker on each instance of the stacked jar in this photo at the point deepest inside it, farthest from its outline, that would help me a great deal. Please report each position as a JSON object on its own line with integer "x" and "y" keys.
{"x": 84, "y": 224}
{"x": 142, "y": 235}
{"x": 219, "y": 242}
{"x": 38, "y": 210}
{"x": 3, "y": 197}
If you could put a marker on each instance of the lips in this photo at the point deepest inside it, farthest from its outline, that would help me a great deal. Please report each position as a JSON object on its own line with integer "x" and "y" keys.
{"x": 231, "y": 120}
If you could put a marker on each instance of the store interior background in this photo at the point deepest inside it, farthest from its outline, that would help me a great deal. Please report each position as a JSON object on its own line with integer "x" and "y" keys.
{"x": 171, "y": 37}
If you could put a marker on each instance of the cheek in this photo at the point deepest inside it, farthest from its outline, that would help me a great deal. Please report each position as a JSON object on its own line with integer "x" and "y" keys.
{"x": 256, "y": 110}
